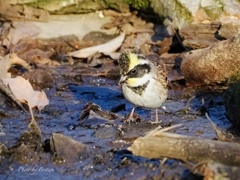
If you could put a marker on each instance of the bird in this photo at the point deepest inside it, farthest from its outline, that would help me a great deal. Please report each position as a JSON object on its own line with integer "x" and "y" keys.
{"x": 143, "y": 82}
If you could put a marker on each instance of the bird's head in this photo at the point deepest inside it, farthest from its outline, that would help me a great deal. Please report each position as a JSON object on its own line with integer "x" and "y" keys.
{"x": 135, "y": 69}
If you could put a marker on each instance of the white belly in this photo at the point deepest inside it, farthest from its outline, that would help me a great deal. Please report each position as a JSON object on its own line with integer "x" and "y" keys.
{"x": 152, "y": 97}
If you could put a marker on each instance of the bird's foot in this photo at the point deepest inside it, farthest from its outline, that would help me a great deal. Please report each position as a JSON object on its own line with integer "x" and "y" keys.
{"x": 131, "y": 118}
{"x": 155, "y": 123}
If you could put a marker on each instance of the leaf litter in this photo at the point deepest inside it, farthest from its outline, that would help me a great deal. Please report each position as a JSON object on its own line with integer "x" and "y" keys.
{"x": 23, "y": 91}
{"x": 87, "y": 88}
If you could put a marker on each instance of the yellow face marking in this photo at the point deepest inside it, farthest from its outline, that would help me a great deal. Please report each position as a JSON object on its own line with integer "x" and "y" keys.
{"x": 133, "y": 60}
{"x": 132, "y": 81}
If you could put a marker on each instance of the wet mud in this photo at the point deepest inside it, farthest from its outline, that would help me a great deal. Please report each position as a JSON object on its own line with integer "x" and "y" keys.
{"x": 83, "y": 135}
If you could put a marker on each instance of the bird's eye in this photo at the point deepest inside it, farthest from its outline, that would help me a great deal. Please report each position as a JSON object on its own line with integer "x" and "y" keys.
{"x": 133, "y": 71}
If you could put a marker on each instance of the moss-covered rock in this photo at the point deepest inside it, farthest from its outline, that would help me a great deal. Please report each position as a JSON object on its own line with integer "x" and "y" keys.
{"x": 139, "y": 4}
{"x": 232, "y": 101}
{"x": 177, "y": 12}
{"x": 85, "y": 6}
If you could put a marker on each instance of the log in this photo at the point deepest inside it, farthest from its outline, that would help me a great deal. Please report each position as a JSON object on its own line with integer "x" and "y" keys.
{"x": 186, "y": 148}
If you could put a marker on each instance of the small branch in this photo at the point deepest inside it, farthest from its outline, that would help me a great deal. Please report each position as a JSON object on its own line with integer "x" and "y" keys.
{"x": 220, "y": 135}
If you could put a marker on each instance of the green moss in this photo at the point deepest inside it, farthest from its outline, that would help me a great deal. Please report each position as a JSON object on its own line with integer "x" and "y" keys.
{"x": 183, "y": 16}
{"x": 139, "y": 4}
{"x": 42, "y": 3}
{"x": 182, "y": 12}
{"x": 214, "y": 11}
{"x": 232, "y": 102}
{"x": 56, "y": 7}
{"x": 117, "y": 5}
{"x": 235, "y": 78}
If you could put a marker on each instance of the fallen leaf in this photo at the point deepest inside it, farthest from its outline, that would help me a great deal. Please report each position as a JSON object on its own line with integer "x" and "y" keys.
{"x": 23, "y": 91}
{"x": 16, "y": 31}
{"x": 140, "y": 41}
{"x": 108, "y": 47}
{"x": 113, "y": 55}
{"x": 7, "y": 91}
{"x": 9, "y": 60}
{"x": 67, "y": 148}
{"x": 95, "y": 111}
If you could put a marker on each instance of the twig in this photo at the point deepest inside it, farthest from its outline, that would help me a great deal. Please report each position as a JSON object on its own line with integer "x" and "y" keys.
{"x": 220, "y": 135}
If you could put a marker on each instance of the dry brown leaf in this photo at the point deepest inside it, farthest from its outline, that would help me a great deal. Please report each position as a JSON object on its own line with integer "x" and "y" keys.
{"x": 8, "y": 61}
{"x": 140, "y": 41}
{"x": 108, "y": 47}
{"x": 113, "y": 55}
{"x": 7, "y": 91}
{"x": 66, "y": 148}
{"x": 23, "y": 91}
{"x": 35, "y": 51}
{"x": 39, "y": 56}
{"x": 16, "y": 31}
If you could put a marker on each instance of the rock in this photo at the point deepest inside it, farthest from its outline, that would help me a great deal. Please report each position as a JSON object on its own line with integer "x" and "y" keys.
{"x": 232, "y": 103}
{"x": 199, "y": 35}
{"x": 227, "y": 30}
{"x": 212, "y": 65}
{"x": 184, "y": 12}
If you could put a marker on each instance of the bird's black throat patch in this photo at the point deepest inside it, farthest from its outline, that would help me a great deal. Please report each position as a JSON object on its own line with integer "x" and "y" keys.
{"x": 140, "y": 89}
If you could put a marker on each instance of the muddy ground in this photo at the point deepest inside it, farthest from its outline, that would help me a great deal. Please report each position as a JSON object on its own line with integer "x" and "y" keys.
{"x": 106, "y": 156}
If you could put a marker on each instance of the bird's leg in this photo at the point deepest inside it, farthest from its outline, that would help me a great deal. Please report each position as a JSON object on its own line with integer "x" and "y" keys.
{"x": 132, "y": 112}
{"x": 156, "y": 119}
{"x": 131, "y": 117}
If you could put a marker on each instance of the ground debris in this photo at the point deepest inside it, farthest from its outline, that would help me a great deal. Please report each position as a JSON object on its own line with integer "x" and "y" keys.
{"x": 97, "y": 109}
{"x": 27, "y": 148}
{"x": 108, "y": 47}
{"x": 23, "y": 91}
{"x": 213, "y": 170}
{"x": 66, "y": 149}
{"x": 7, "y": 91}
{"x": 8, "y": 61}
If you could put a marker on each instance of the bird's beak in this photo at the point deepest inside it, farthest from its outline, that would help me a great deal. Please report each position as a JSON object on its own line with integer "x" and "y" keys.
{"x": 122, "y": 80}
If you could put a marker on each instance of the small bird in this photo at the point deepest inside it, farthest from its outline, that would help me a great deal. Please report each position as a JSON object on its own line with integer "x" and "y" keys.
{"x": 143, "y": 82}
